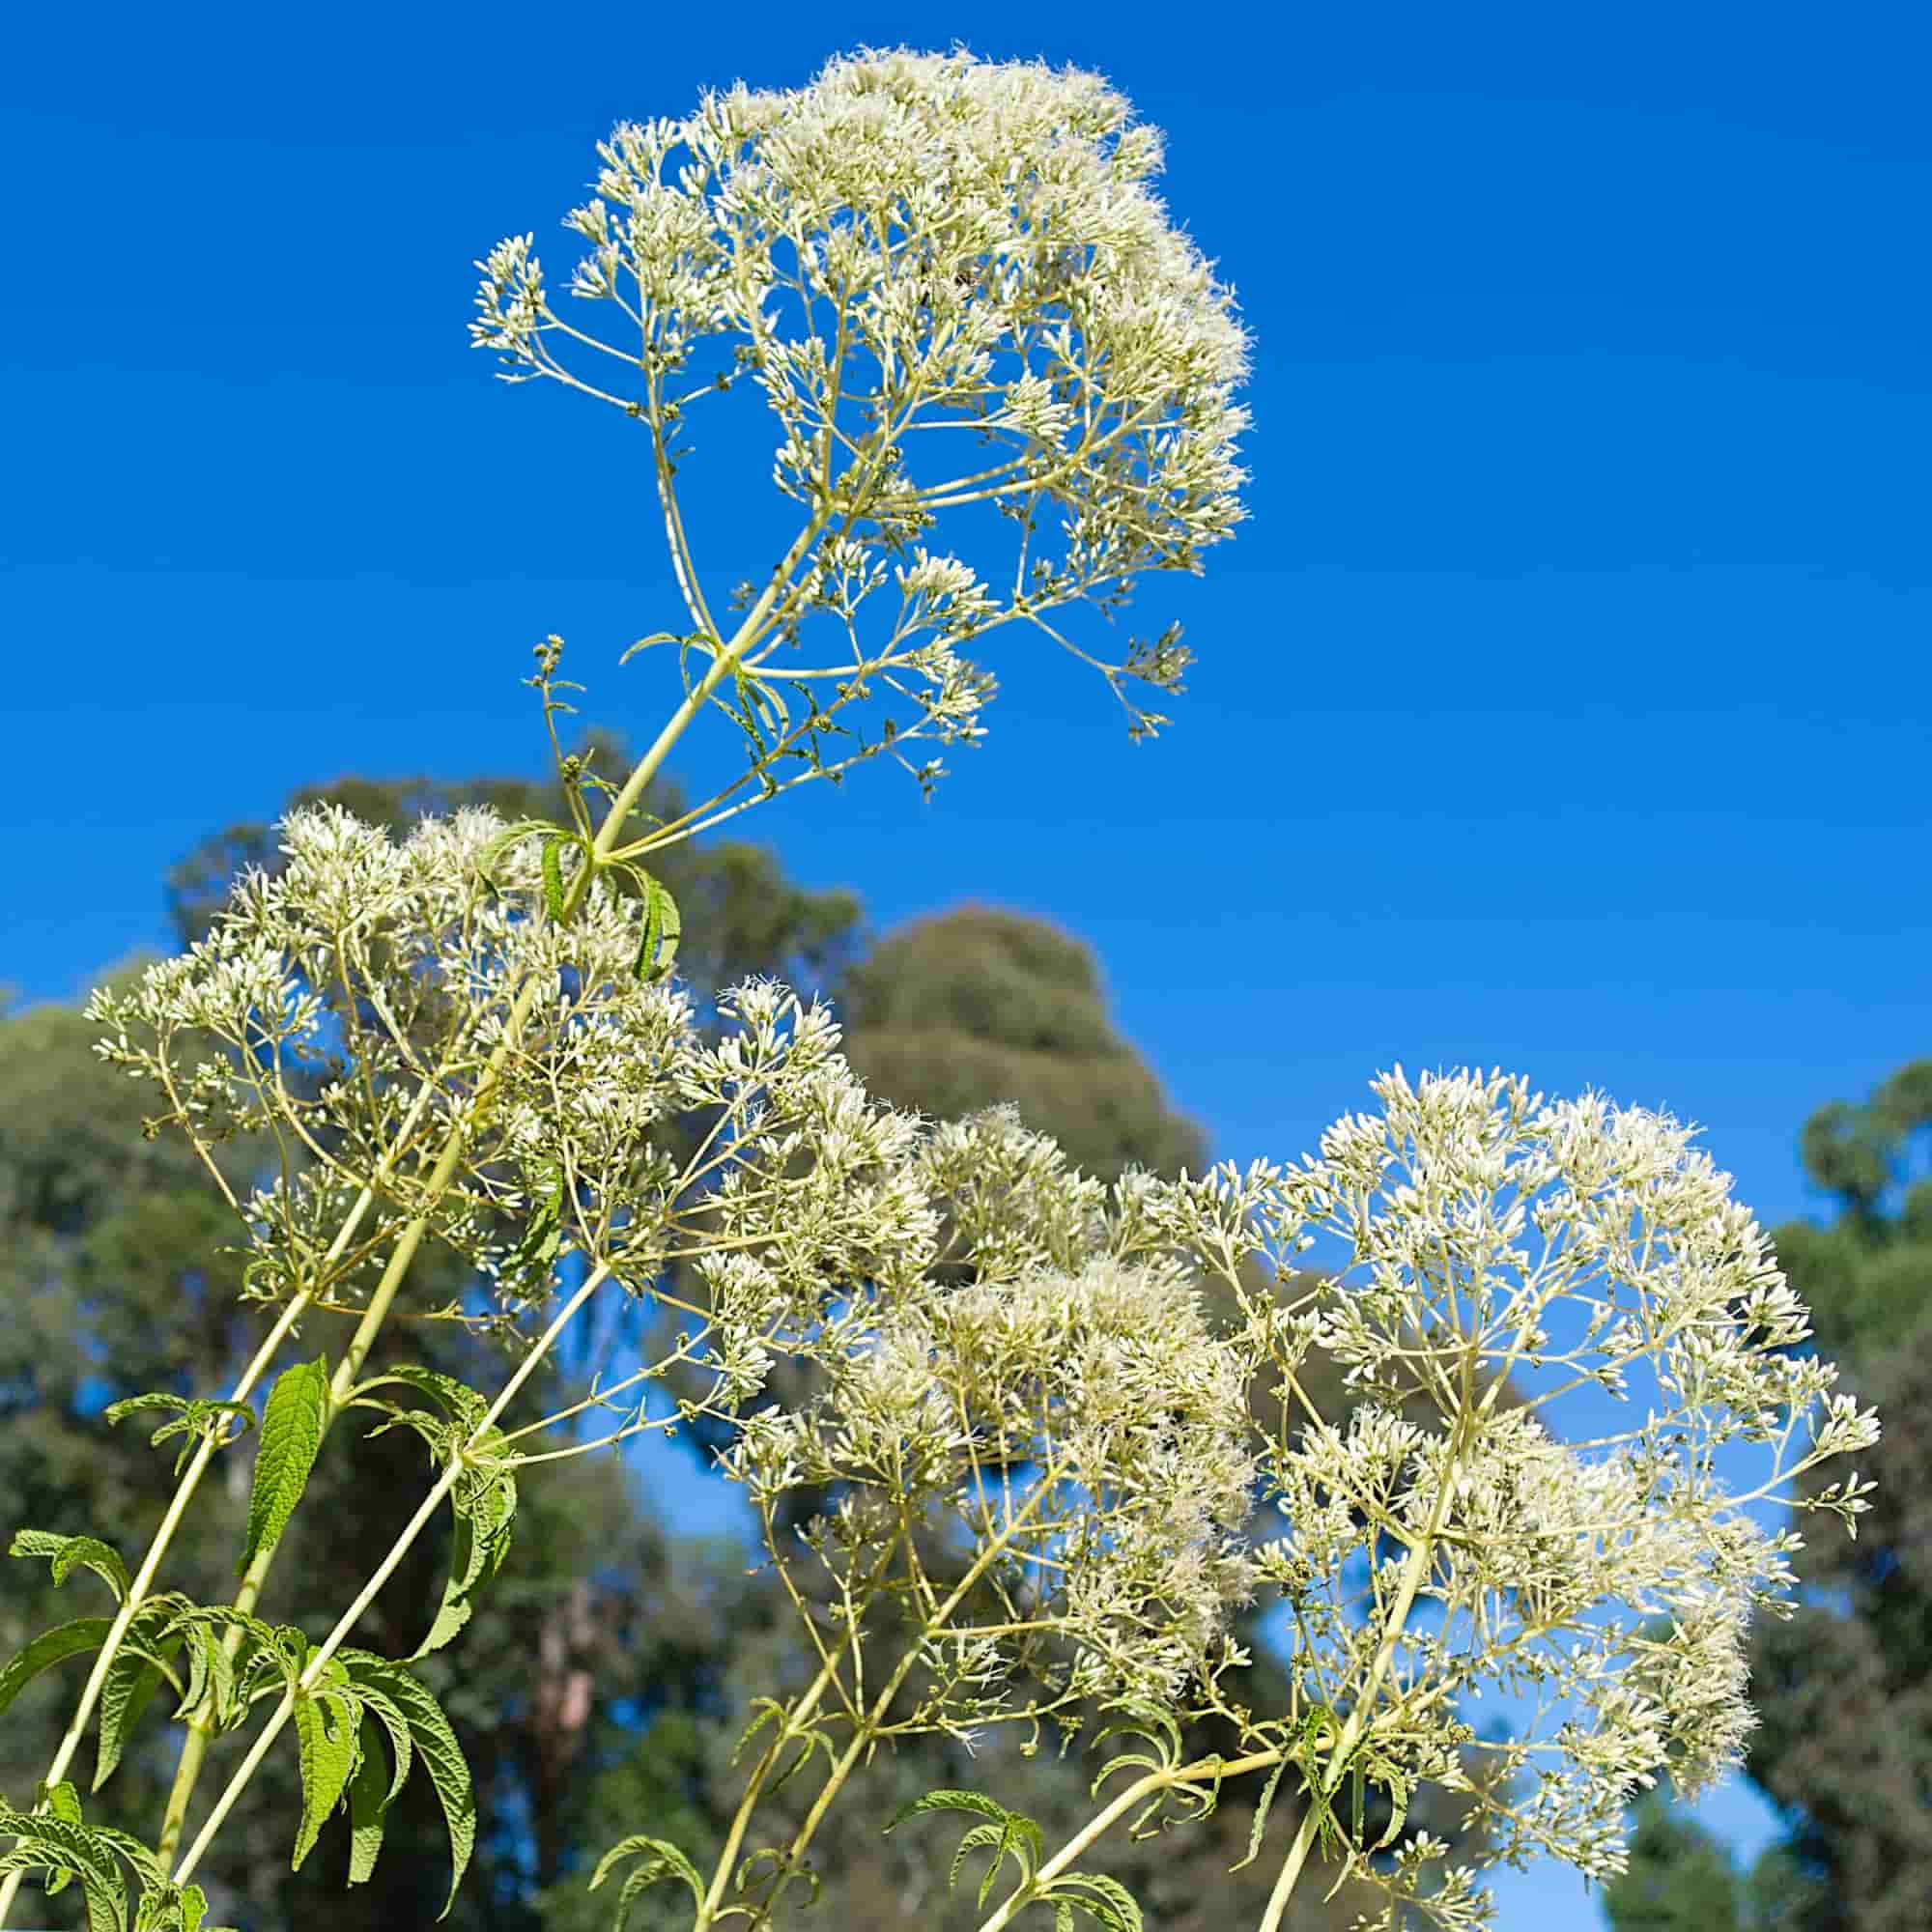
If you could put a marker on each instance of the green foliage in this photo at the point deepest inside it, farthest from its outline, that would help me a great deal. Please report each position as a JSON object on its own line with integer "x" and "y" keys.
{"x": 484, "y": 1497}
{"x": 197, "y": 1418}
{"x": 1679, "y": 1877}
{"x": 71, "y": 1552}
{"x": 293, "y": 1422}
{"x": 57, "y": 1842}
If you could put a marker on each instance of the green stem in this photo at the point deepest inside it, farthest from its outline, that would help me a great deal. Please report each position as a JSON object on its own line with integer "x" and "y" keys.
{"x": 868, "y": 1728}
{"x": 1117, "y": 1808}
{"x": 190, "y": 1481}
{"x": 1420, "y": 1558}
{"x": 808, "y": 1703}
{"x": 194, "y": 1746}
{"x": 346, "y": 1621}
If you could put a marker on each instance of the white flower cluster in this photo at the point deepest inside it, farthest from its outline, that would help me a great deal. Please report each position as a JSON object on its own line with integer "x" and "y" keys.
{"x": 915, "y": 242}
{"x": 1085, "y": 1432}
{"x": 1505, "y": 1256}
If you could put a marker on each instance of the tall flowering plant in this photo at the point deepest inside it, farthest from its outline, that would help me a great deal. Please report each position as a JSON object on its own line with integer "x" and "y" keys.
{"x": 1039, "y": 1451}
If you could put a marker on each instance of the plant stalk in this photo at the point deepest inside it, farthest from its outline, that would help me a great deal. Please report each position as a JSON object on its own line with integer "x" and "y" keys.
{"x": 194, "y": 1746}
{"x": 400, "y": 1549}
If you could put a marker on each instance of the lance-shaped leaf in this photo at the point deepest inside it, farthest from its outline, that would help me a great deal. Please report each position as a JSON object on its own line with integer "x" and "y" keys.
{"x": 664, "y": 926}
{"x": 435, "y": 1743}
{"x": 194, "y": 1417}
{"x": 73, "y": 1552}
{"x": 132, "y": 1679}
{"x": 483, "y": 1497}
{"x": 485, "y": 1502}
{"x": 327, "y": 1724}
{"x": 59, "y": 1843}
{"x": 292, "y": 1425}
{"x": 1105, "y": 1900}
{"x": 662, "y": 1859}
{"x": 368, "y": 1803}
{"x": 50, "y": 1648}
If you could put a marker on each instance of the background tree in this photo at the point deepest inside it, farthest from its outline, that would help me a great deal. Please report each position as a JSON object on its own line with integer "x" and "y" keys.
{"x": 1844, "y": 1689}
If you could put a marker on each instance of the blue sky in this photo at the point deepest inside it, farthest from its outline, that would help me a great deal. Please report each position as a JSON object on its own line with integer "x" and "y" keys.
{"x": 1562, "y": 705}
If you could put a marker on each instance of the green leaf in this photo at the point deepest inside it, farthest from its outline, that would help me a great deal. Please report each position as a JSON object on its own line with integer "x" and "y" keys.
{"x": 436, "y": 1744}
{"x": 1112, "y": 1906}
{"x": 485, "y": 1502}
{"x": 368, "y": 1804}
{"x": 979, "y": 1836}
{"x": 662, "y": 1859}
{"x": 484, "y": 1498}
{"x": 50, "y": 1648}
{"x": 129, "y": 1687}
{"x": 61, "y": 1844}
{"x": 64, "y": 1801}
{"x": 194, "y": 1416}
{"x": 462, "y": 1402}
{"x": 974, "y": 1801}
{"x": 395, "y": 1721}
{"x": 292, "y": 1425}
{"x": 664, "y": 926}
{"x": 542, "y": 1238}
{"x": 553, "y": 879}
{"x": 511, "y": 835}
{"x": 327, "y": 1723}
{"x": 1260, "y": 1824}
{"x": 73, "y": 1553}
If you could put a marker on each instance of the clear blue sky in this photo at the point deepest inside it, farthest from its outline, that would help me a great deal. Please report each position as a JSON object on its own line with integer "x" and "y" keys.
{"x": 1562, "y": 705}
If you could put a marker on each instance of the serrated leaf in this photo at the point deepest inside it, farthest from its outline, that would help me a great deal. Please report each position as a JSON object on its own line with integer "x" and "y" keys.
{"x": 368, "y": 1803}
{"x": 482, "y": 1541}
{"x": 61, "y": 1844}
{"x": 73, "y": 1553}
{"x": 553, "y": 879}
{"x": 64, "y": 1801}
{"x": 980, "y": 1806}
{"x": 193, "y": 1416}
{"x": 1063, "y": 1915}
{"x": 292, "y": 1425}
{"x": 126, "y": 1692}
{"x": 64, "y": 1640}
{"x": 380, "y": 1705}
{"x": 511, "y": 835}
{"x": 979, "y": 1836}
{"x": 327, "y": 1723}
{"x": 662, "y": 1859}
{"x": 1259, "y": 1825}
{"x": 436, "y": 1744}
{"x": 462, "y": 1402}
{"x": 1112, "y": 1905}
{"x": 664, "y": 926}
